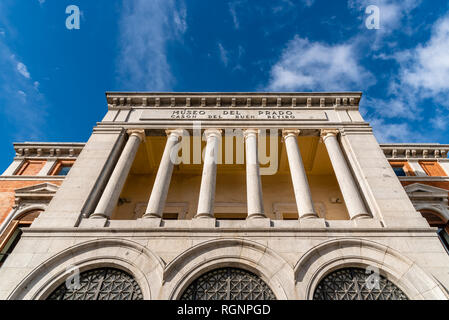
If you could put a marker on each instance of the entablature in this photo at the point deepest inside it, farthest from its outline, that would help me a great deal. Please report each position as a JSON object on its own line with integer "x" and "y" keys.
{"x": 117, "y": 100}
{"x": 416, "y": 151}
{"x": 47, "y": 150}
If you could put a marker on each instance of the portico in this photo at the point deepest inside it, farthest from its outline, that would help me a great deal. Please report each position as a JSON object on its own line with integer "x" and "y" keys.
{"x": 203, "y": 126}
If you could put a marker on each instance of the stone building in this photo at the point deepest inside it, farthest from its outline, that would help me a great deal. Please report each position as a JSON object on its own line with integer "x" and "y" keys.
{"x": 226, "y": 196}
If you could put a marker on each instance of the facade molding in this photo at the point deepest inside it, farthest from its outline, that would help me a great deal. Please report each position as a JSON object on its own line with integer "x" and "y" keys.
{"x": 237, "y": 252}
{"x": 114, "y": 252}
{"x": 352, "y": 252}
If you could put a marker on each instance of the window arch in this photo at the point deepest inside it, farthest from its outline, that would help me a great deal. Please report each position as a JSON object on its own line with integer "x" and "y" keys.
{"x": 99, "y": 284}
{"x": 435, "y": 219}
{"x": 355, "y": 284}
{"x": 228, "y": 284}
{"x": 12, "y": 234}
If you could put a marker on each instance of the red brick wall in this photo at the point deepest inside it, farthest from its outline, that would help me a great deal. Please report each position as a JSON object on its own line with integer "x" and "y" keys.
{"x": 7, "y": 193}
{"x": 30, "y": 168}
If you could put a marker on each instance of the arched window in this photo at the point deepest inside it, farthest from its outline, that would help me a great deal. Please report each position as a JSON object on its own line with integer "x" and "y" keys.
{"x": 228, "y": 284}
{"x": 356, "y": 284}
{"x": 436, "y": 220}
{"x": 99, "y": 284}
{"x": 11, "y": 236}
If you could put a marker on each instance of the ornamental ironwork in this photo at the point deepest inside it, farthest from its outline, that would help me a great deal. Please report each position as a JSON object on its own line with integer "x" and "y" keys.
{"x": 228, "y": 284}
{"x": 357, "y": 284}
{"x": 100, "y": 284}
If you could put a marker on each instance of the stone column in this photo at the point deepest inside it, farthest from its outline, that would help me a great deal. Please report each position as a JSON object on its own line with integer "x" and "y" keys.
{"x": 156, "y": 204}
{"x": 208, "y": 180}
{"x": 299, "y": 178}
{"x": 114, "y": 187}
{"x": 253, "y": 183}
{"x": 354, "y": 203}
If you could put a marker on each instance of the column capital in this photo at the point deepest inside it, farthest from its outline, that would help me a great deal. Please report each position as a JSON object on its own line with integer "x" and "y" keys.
{"x": 249, "y": 132}
{"x": 140, "y": 133}
{"x": 213, "y": 132}
{"x": 174, "y": 132}
{"x": 329, "y": 132}
{"x": 290, "y": 132}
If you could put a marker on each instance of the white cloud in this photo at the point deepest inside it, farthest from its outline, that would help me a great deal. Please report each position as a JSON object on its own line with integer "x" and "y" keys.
{"x": 418, "y": 93}
{"x": 232, "y": 11}
{"x": 223, "y": 54}
{"x": 179, "y": 17}
{"x": 145, "y": 29}
{"x": 393, "y": 132}
{"x": 427, "y": 66}
{"x": 391, "y": 108}
{"x": 306, "y": 65}
{"x": 23, "y": 70}
{"x": 21, "y": 104}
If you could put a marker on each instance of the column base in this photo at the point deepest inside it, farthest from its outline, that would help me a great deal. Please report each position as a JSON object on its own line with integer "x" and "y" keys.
{"x": 204, "y": 216}
{"x": 151, "y": 216}
{"x": 360, "y": 216}
{"x": 311, "y": 215}
{"x": 252, "y": 216}
{"x": 98, "y": 215}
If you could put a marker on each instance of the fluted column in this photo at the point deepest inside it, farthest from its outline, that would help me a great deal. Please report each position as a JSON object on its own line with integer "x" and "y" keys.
{"x": 159, "y": 193}
{"x": 354, "y": 203}
{"x": 299, "y": 178}
{"x": 114, "y": 187}
{"x": 253, "y": 183}
{"x": 209, "y": 177}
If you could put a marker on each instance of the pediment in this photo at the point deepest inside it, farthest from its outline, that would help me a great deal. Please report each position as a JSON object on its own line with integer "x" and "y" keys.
{"x": 425, "y": 189}
{"x": 42, "y": 188}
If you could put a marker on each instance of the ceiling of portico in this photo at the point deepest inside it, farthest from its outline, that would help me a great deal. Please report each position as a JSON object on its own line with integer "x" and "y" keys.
{"x": 313, "y": 151}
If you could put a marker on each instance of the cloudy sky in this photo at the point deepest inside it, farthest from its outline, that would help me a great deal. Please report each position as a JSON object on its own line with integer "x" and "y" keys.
{"x": 52, "y": 80}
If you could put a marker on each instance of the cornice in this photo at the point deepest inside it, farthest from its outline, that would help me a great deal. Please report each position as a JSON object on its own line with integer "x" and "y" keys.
{"x": 417, "y": 151}
{"x": 126, "y": 100}
{"x": 47, "y": 150}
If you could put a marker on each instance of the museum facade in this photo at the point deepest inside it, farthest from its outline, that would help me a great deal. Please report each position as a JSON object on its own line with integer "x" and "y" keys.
{"x": 222, "y": 196}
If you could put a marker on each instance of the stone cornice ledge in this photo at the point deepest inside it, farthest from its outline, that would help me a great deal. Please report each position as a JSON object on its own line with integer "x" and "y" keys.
{"x": 135, "y": 231}
{"x": 32, "y": 178}
{"x": 126, "y": 100}
{"x": 418, "y": 151}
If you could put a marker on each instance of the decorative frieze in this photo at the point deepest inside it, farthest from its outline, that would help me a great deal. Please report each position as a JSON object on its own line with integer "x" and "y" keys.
{"x": 415, "y": 151}
{"x": 274, "y": 100}
{"x": 47, "y": 150}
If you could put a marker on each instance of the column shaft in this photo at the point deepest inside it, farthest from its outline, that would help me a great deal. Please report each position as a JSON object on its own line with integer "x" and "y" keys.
{"x": 209, "y": 177}
{"x": 114, "y": 187}
{"x": 354, "y": 203}
{"x": 253, "y": 183}
{"x": 299, "y": 178}
{"x": 156, "y": 204}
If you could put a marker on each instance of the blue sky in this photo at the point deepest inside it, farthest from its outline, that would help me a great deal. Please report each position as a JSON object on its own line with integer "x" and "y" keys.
{"x": 52, "y": 80}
